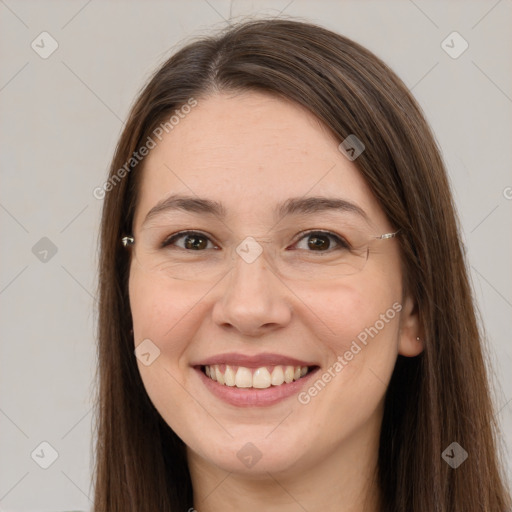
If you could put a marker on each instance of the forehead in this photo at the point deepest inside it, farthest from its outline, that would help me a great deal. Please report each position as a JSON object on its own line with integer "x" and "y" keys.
{"x": 250, "y": 151}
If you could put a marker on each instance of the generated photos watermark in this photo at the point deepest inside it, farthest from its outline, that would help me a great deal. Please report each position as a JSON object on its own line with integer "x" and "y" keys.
{"x": 343, "y": 360}
{"x": 143, "y": 151}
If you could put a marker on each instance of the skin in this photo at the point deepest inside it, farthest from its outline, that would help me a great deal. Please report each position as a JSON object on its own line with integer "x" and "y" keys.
{"x": 250, "y": 151}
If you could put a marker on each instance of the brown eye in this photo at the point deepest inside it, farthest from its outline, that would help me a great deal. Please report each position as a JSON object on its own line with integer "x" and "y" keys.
{"x": 320, "y": 241}
{"x": 317, "y": 242}
{"x": 193, "y": 241}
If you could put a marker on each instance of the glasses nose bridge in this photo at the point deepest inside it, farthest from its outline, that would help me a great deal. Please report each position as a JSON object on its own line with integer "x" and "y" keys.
{"x": 258, "y": 258}
{"x": 254, "y": 250}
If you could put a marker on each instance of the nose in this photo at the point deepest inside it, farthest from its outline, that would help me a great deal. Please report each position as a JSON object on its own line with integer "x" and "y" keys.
{"x": 253, "y": 299}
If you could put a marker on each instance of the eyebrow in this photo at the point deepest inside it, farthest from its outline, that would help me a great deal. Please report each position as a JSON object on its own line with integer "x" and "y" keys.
{"x": 292, "y": 206}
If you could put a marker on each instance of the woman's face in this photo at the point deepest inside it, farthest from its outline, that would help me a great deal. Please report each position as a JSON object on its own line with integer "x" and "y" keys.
{"x": 223, "y": 303}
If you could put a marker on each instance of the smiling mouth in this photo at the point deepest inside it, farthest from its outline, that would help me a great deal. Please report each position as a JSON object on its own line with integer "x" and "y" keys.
{"x": 256, "y": 378}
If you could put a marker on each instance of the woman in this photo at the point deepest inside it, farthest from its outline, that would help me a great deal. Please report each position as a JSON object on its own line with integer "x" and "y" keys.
{"x": 285, "y": 316}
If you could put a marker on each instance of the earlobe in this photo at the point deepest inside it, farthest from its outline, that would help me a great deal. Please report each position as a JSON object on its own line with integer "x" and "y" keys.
{"x": 409, "y": 342}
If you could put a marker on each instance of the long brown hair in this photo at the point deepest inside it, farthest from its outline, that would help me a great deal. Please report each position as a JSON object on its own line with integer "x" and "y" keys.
{"x": 439, "y": 397}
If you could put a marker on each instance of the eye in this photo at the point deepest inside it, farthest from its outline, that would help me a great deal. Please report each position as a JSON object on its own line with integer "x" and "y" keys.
{"x": 193, "y": 240}
{"x": 320, "y": 241}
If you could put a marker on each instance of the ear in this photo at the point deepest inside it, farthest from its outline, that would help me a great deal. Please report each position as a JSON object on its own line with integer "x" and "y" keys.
{"x": 408, "y": 343}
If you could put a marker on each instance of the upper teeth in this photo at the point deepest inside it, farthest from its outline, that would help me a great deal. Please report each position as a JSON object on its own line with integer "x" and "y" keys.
{"x": 242, "y": 377}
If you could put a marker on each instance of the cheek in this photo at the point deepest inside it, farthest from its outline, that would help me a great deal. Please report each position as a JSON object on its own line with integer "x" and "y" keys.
{"x": 160, "y": 308}
{"x": 363, "y": 325}
{"x": 350, "y": 309}
{"x": 161, "y": 312}
{"x": 350, "y": 387}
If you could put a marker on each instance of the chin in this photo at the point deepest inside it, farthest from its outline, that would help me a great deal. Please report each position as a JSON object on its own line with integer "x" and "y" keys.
{"x": 255, "y": 455}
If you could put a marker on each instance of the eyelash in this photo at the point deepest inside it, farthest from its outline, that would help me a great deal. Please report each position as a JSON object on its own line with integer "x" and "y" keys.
{"x": 342, "y": 243}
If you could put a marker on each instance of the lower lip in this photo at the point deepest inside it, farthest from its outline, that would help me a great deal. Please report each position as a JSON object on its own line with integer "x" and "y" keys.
{"x": 253, "y": 397}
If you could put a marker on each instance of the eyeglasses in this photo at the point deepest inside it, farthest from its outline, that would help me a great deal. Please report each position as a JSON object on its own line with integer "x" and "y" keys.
{"x": 194, "y": 260}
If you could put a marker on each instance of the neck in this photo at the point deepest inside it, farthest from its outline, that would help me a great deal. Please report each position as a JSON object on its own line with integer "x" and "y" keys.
{"x": 343, "y": 480}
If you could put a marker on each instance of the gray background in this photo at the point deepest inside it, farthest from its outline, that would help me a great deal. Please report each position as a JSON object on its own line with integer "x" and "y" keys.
{"x": 60, "y": 120}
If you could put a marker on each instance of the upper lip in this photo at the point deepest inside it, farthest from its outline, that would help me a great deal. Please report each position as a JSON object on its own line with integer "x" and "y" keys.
{"x": 256, "y": 361}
